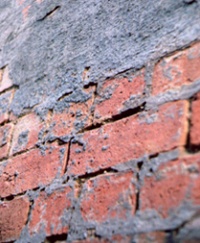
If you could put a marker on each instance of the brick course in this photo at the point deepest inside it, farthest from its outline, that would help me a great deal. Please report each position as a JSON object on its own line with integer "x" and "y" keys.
{"x": 107, "y": 146}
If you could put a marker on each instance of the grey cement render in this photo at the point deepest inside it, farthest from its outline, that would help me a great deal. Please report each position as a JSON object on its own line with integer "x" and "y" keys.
{"x": 47, "y": 54}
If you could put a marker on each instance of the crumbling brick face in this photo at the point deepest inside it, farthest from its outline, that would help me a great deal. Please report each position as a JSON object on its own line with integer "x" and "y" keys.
{"x": 13, "y": 218}
{"x": 171, "y": 184}
{"x": 116, "y": 95}
{"x": 51, "y": 212}
{"x": 99, "y": 131}
{"x": 179, "y": 69}
{"x": 98, "y": 205}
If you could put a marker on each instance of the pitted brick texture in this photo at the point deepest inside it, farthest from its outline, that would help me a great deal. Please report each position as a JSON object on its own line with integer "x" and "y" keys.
{"x": 14, "y": 215}
{"x": 99, "y": 205}
{"x": 49, "y": 211}
{"x": 130, "y": 138}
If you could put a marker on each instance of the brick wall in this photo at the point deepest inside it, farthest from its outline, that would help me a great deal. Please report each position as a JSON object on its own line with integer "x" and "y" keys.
{"x": 112, "y": 159}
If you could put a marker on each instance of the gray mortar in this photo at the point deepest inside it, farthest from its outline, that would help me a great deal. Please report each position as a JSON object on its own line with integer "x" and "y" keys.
{"x": 183, "y": 93}
{"x": 47, "y": 57}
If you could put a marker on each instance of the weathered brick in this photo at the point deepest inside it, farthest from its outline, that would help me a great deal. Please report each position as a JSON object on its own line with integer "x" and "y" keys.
{"x": 121, "y": 94}
{"x": 108, "y": 196}
{"x": 172, "y": 183}
{"x": 121, "y": 239}
{"x": 5, "y": 81}
{"x": 130, "y": 138}
{"x": 172, "y": 72}
{"x": 51, "y": 212}
{"x": 31, "y": 169}
{"x": 25, "y": 12}
{"x": 114, "y": 239}
{"x": 195, "y": 194}
{"x": 74, "y": 118}
{"x": 5, "y": 137}
{"x": 195, "y": 122}
{"x": 13, "y": 218}
{"x": 26, "y": 133}
{"x": 93, "y": 240}
{"x": 5, "y": 100}
{"x": 155, "y": 237}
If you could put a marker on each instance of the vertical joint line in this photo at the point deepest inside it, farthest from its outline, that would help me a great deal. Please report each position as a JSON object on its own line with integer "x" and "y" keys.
{"x": 68, "y": 156}
{"x": 137, "y": 200}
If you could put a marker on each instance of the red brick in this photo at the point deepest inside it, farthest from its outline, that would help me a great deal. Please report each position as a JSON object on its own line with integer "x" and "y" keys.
{"x": 93, "y": 240}
{"x": 50, "y": 212}
{"x": 114, "y": 239}
{"x": 121, "y": 90}
{"x": 173, "y": 183}
{"x": 30, "y": 170}
{"x": 26, "y": 132}
{"x": 179, "y": 69}
{"x": 149, "y": 237}
{"x": 74, "y": 118}
{"x": 130, "y": 138}
{"x": 121, "y": 239}
{"x": 195, "y": 194}
{"x": 5, "y": 137}
{"x": 195, "y": 122}
{"x": 5, "y": 81}
{"x": 25, "y": 12}
{"x": 108, "y": 196}
{"x": 5, "y": 100}
{"x": 13, "y": 218}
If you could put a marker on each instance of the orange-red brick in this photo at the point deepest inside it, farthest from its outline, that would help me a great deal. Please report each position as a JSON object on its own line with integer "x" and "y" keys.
{"x": 108, "y": 196}
{"x": 51, "y": 212}
{"x": 152, "y": 237}
{"x": 30, "y": 170}
{"x": 5, "y": 137}
{"x": 13, "y": 218}
{"x": 195, "y": 194}
{"x": 173, "y": 183}
{"x": 121, "y": 90}
{"x": 130, "y": 138}
{"x": 5, "y": 81}
{"x": 74, "y": 118}
{"x": 26, "y": 133}
{"x": 114, "y": 239}
{"x": 195, "y": 122}
{"x": 5, "y": 100}
{"x": 93, "y": 240}
{"x": 172, "y": 72}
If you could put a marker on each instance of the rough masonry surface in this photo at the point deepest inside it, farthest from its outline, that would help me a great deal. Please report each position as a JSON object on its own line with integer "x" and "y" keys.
{"x": 99, "y": 121}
